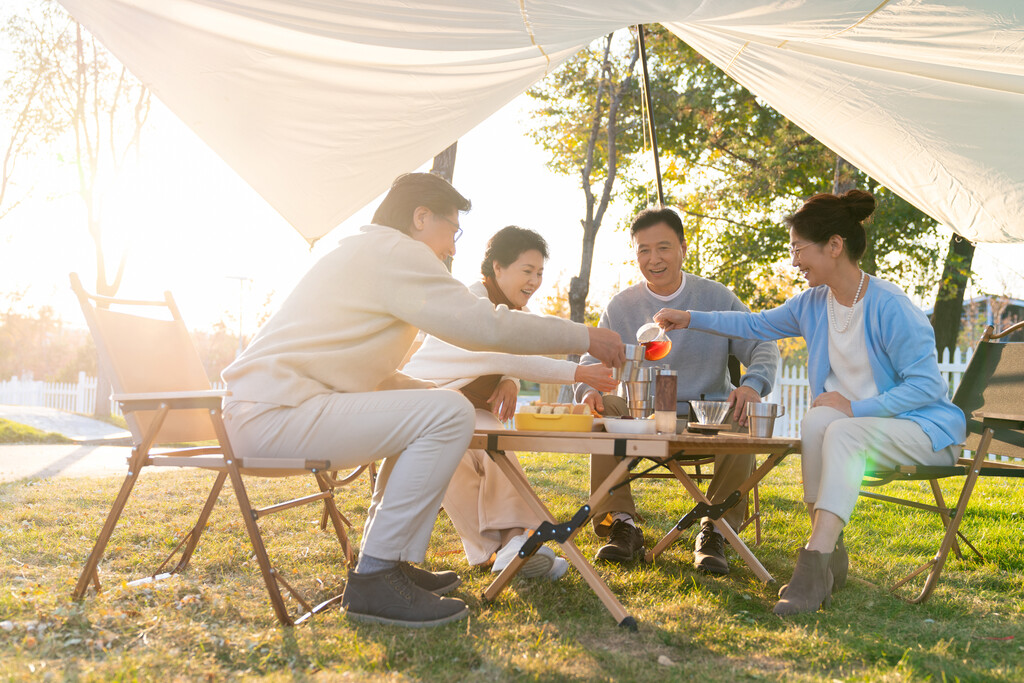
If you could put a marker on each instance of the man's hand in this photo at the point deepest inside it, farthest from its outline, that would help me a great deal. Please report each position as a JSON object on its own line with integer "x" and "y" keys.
{"x": 503, "y": 400}
{"x": 739, "y": 398}
{"x": 672, "y": 319}
{"x": 593, "y": 399}
{"x": 606, "y": 346}
{"x": 597, "y": 376}
{"x": 833, "y": 399}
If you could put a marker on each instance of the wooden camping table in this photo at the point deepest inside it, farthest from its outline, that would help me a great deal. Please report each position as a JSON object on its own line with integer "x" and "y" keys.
{"x": 671, "y": 451}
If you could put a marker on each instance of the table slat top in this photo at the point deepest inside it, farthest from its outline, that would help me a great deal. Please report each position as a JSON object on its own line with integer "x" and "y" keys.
{"x": 637, "y": 444}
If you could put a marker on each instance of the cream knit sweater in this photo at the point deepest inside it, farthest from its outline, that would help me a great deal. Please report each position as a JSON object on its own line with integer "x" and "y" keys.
{"x": 454, "y": 368}
{"x": 352, "y": 318}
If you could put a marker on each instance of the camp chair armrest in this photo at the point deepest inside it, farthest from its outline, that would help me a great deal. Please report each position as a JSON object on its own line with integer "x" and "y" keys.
{"x": 1006, "y": 420}
{"x": 210, "y": 398}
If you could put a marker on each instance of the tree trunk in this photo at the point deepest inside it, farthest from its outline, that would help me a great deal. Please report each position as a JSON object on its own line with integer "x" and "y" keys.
{"x": 949, "y": 302}
{"x": 845, "y": 177}
{"x": 444, "y": 166}
{"x": 444, "y": 163}
{"x": 579, "y": 285}
{"x": 869, "y": 261}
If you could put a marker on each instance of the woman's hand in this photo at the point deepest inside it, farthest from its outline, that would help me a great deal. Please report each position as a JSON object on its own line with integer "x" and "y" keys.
{"x": 597, "y": 376}
{"x": 503, "y": 400}
{"x": 833, "y": 399}
{"x": 672, "y": 319}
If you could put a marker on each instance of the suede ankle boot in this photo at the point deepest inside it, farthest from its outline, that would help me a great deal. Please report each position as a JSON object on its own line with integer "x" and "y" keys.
{"x": 840, "y": 566}
{"x": 811, "y": 585}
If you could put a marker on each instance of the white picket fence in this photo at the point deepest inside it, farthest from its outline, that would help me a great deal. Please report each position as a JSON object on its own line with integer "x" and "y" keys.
{"x": 791, "y": 390}
{"x": 73, "y": 397}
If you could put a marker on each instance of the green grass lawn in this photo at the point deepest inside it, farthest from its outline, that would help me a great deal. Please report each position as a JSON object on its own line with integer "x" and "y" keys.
{"x": 214, "y": 622}
{"x": 17, "y": 433}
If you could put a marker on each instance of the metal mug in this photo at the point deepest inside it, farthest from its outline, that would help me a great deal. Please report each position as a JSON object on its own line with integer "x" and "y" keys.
{"x": 761, "y": 418}
{"x": 632, "y": 366}
{"x": 637, "y": 393}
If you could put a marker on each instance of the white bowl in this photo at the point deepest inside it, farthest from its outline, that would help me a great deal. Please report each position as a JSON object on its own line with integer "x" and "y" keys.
{"x": 621, "y": 425}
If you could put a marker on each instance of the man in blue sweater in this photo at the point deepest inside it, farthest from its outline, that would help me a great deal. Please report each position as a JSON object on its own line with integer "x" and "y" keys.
{"x": 701, "y": 361}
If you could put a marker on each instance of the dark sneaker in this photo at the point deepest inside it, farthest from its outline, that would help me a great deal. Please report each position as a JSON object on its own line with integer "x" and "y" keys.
{"x": 390, "y": 597}
{"x": 709, "y": 551}
{"x": 625, "y": 542}
{"x": 440, "y": 583}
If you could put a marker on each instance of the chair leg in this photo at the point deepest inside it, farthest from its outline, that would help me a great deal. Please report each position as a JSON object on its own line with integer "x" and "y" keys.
{"x": 936, "y": 564}
{"x": 336, "y": 484}
{"x": 90, "y": 572}
{"x": 337, "y": 520}
{"x": 189, "y": 541}
{"x": 200, "y": 525}
{"x": 940, "y": 503}
{"x": 256, "y": 538}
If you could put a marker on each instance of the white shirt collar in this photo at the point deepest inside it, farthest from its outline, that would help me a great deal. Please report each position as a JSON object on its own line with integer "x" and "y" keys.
{"x": 673, "y": 295}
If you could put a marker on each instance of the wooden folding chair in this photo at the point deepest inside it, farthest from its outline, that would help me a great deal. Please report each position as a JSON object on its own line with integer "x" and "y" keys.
{"x": 991, "y": 394}
{"x": 160, "y": 383}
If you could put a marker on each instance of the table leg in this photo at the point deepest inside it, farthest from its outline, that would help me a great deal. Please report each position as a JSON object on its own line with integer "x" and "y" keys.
{"x": 720, "y": 524}
{"x": 573, "y": 554}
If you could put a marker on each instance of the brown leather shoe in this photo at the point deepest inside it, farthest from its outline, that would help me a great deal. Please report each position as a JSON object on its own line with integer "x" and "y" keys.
{"x": 709, "y": 551}
{"x": 390, "y": 597}
{"x": 625, "y": 543}
{"x": 440, "y": 583}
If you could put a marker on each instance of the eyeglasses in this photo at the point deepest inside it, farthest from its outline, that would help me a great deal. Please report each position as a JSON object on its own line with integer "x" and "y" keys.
{"x": 794, "y": 252}
{"x": 449, "y": 221}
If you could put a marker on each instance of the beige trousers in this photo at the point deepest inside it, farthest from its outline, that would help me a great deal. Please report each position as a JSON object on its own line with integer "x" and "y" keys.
{"x": 481, "y": 501}
{"x": 836, "y": 449}
{"x": 730, "y": 473}
{"x": 421, "y": 435}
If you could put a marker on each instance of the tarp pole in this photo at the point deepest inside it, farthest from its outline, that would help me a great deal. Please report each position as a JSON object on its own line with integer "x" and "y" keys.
{"x": 650, "y": 113}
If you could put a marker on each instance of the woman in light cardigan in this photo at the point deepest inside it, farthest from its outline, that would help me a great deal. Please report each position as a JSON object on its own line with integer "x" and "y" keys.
{"x": 878, "y": 394}
{"x": 489, "y": 515}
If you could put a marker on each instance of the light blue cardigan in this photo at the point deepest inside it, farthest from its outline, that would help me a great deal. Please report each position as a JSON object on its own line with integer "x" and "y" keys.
{"x": 901, "y": 351}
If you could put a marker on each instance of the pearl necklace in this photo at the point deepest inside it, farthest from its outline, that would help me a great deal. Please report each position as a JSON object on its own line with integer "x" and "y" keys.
{"x": 849, "y": 316}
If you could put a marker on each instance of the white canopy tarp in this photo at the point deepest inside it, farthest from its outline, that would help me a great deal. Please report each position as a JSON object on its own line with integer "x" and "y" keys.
{"x": 319, "y": 104}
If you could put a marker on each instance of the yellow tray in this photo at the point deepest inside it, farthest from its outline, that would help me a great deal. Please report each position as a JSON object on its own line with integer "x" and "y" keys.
{"x": 529, "y": 422}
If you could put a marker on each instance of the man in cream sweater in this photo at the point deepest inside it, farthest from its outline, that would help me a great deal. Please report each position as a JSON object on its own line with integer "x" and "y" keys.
{"x": 320, "y": 381}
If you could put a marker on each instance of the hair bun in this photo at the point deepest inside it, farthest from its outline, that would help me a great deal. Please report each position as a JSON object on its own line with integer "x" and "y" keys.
{"x": 858, "y": 203}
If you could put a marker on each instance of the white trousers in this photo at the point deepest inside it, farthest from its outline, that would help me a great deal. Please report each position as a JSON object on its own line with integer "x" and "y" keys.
{"x": 420, "y": 434}
{"x": 837, "y": 448}
{"x": 481, "y": 501}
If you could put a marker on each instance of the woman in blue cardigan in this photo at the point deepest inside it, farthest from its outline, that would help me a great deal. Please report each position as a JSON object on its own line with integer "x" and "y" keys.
{"x": 878, "y": 394}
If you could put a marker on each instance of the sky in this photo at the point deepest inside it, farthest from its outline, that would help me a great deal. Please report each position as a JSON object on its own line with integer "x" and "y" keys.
{"x": 192, "y": 226}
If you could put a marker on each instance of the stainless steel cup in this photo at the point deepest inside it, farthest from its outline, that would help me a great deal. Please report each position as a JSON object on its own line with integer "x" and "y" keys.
{"x": 761, "y": 418}
{"x": 623, "y": 374}
{"x": 638, "y": 393}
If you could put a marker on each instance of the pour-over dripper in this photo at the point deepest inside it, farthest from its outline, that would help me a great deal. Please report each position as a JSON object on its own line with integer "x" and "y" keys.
{"x": 654, "y": 340}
